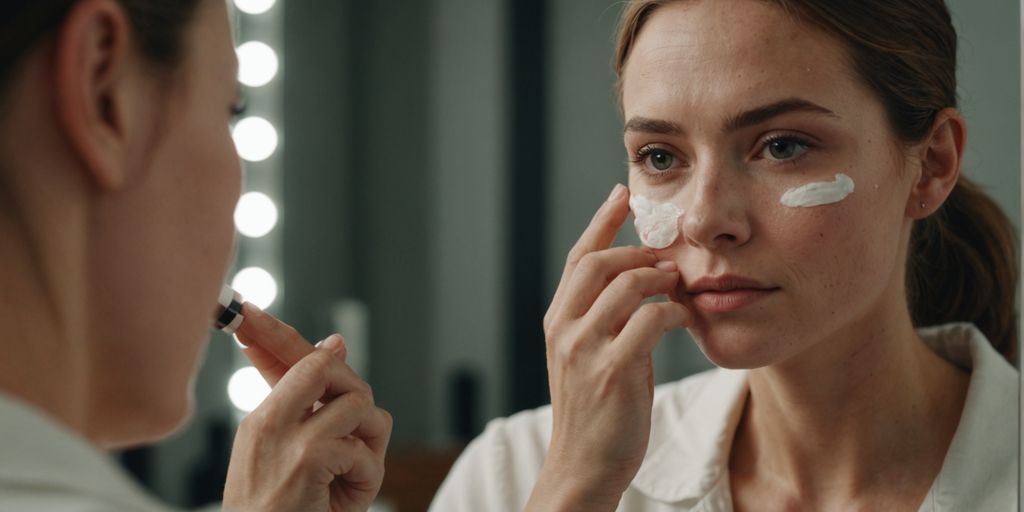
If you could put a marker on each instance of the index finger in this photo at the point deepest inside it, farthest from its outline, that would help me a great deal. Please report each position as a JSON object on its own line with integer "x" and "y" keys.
{"x": 272, "y": 335}
{"x": 599, "y": 235}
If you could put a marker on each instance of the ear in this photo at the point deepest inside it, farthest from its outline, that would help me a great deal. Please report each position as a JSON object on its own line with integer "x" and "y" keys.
{"x": 93, "y": 79}
{"x": 941, "y": 155}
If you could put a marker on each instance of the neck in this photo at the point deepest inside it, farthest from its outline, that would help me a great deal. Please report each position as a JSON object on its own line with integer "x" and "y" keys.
{"x": 42, "y": 235}
{"x": 867, "y": 409}
{"x": 40, "y": 363}
{"x": 44, "y": 229}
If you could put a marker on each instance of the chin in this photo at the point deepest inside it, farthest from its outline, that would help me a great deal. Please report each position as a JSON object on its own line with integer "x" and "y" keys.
{"x": 735, "y": 348}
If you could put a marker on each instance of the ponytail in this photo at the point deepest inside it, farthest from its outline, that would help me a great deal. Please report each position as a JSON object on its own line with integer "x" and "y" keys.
{"x": 963, "y": 267}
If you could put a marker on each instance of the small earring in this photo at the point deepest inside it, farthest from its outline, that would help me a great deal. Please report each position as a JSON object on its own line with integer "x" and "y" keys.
{"x": 923, "y": 205}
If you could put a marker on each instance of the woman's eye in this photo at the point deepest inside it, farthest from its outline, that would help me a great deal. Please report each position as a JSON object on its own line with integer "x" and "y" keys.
{"x": 785, "y": 149}
{"x": 661, "y": 160}
{"x": 238, "y": 108}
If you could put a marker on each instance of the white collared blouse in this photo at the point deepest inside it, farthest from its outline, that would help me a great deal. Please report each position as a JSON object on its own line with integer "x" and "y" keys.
{"x": 693, "y": 421}
{"x": 47, "y": 467}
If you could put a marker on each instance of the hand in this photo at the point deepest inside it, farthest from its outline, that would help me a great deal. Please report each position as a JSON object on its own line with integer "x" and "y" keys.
{"x": 599, "y": 345}
{"x": 317, "y": 442}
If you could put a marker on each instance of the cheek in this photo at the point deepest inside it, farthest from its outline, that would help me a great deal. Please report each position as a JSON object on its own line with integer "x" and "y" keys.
{"x": 212, "y": 183}
{"x": 838, "y": 253}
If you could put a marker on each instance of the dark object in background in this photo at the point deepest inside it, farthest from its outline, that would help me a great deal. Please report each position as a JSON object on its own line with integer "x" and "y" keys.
{"x": 138, "y": 462}
{"x": 465, "y": 389}
{"x": 206, "y": 479}
{"x": 414, "y": 473}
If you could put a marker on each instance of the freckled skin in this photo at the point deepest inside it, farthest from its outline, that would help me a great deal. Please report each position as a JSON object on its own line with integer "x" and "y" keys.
{"x": 838, "y": 267}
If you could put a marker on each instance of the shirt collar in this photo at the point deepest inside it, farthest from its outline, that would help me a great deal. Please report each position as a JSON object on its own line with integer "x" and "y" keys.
{"x": 40, "y": 453}
{"x": 692, "y": 429}
{"x": 980, "y": 468}
{"x": 691, "y": 436}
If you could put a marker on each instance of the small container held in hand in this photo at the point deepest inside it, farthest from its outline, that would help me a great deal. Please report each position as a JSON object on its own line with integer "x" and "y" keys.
{"x": 228, "y": 316}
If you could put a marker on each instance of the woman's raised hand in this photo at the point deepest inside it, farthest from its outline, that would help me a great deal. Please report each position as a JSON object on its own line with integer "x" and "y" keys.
{"x": 317, "y": 442}
{"x": 599, "y": 344}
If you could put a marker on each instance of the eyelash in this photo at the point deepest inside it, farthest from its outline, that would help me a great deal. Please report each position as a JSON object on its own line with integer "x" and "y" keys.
{"x": 641, "y": 157}
{"x": 238, "y": 108}
{"x": 785, "y": 137}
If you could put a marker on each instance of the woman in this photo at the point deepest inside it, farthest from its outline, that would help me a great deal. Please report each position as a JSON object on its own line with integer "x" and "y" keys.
{"x": 795, "y": 170}
{"x": 118, "y": 180}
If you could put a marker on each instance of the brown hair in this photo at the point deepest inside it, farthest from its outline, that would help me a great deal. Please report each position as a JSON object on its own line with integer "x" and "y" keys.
{"x": 158, "y": 24}
{"x": 963, "y": 261}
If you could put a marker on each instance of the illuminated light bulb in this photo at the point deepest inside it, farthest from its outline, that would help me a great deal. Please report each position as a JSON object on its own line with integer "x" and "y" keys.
{"x": 256, "y": 285}
{"x": 247, "y": 389}
{"x": 255, "y": 214}
{"x": 257, "y": 63}
{"x": 254, "y": 6}
{"x": 255, "y": 139}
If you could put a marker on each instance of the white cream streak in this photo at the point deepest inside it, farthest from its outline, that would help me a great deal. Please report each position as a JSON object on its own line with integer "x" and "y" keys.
{"x": 819, "y": 193}
{"x": 656, "y": 223}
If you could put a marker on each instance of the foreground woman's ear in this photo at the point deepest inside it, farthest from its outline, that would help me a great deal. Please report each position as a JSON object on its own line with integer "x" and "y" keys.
{"x": 941, "y": 155}
{"x": 101, "y": 91}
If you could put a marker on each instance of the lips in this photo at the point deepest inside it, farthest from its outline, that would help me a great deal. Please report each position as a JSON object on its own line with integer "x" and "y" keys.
{"x": 727, "y": 293}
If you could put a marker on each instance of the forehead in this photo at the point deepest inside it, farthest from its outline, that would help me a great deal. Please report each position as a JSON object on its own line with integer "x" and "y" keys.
{"x": 694, "y": 55}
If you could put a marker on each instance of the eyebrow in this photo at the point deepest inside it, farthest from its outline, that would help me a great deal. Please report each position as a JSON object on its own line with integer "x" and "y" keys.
{"x": 742, "y": 120}
{"x": 648, "y": 125}
{"x": 762, "y": 114}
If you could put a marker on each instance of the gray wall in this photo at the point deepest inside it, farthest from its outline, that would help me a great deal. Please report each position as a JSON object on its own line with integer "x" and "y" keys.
{"x": 468, "y": 134}
{"x": 359, "y": 217}
{"x": 989, "y": 78}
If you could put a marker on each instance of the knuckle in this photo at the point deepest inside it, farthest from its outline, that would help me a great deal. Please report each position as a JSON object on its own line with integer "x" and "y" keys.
{"x": 576, "y": 254}
{"x": 360, "y": 400}
{"x": 552, "y": 332}
{"x": 312, "y": 369}
{"x": 248, "y": 424}
{"x": 258, "y": 423}
{"x": 364, "y": 388}
{"x": 585, "y": 265}
{"x": 387, "y": 418}
{"x": 653, "y": 313}
{"x": 307, "y": 454}
{"x": 589, "y": 264}
{"x": 571, "y": 350}
{"x": 629, "y": 280}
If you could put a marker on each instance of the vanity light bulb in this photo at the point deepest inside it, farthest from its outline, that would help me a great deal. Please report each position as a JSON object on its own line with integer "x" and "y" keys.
{"x": 256, "y": 285}
{"x": 247, "y": 389}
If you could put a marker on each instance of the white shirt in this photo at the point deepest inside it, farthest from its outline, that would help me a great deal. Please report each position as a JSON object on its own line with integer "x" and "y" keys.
{"x": 48, "y": 468}
{"x": 693, "y": 422}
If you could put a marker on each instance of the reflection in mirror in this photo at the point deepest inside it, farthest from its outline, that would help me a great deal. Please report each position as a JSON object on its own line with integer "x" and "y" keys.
{"x": 418, "y": 172}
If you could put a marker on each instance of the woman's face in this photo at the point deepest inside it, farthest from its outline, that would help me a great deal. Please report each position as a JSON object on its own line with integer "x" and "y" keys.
{"x": 166, "y": 242}
{"x": 728, "y": 104}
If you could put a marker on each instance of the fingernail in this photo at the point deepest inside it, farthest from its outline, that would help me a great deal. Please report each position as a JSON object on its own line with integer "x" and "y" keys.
{"x": 334, "y": 343}
{"x": 617, "y": 193}
{"x": 667, "y": 266}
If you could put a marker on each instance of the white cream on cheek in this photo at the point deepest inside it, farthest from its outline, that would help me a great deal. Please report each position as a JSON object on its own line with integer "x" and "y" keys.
{"x": 819, "y": 193}
{"x": 656, "y": 223}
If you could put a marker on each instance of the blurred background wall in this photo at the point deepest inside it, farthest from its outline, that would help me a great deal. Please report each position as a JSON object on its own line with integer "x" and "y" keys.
{"x": 436, "y": 160}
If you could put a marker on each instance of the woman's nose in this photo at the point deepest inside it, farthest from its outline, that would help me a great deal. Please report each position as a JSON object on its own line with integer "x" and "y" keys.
{"x": 717, "y": 216}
